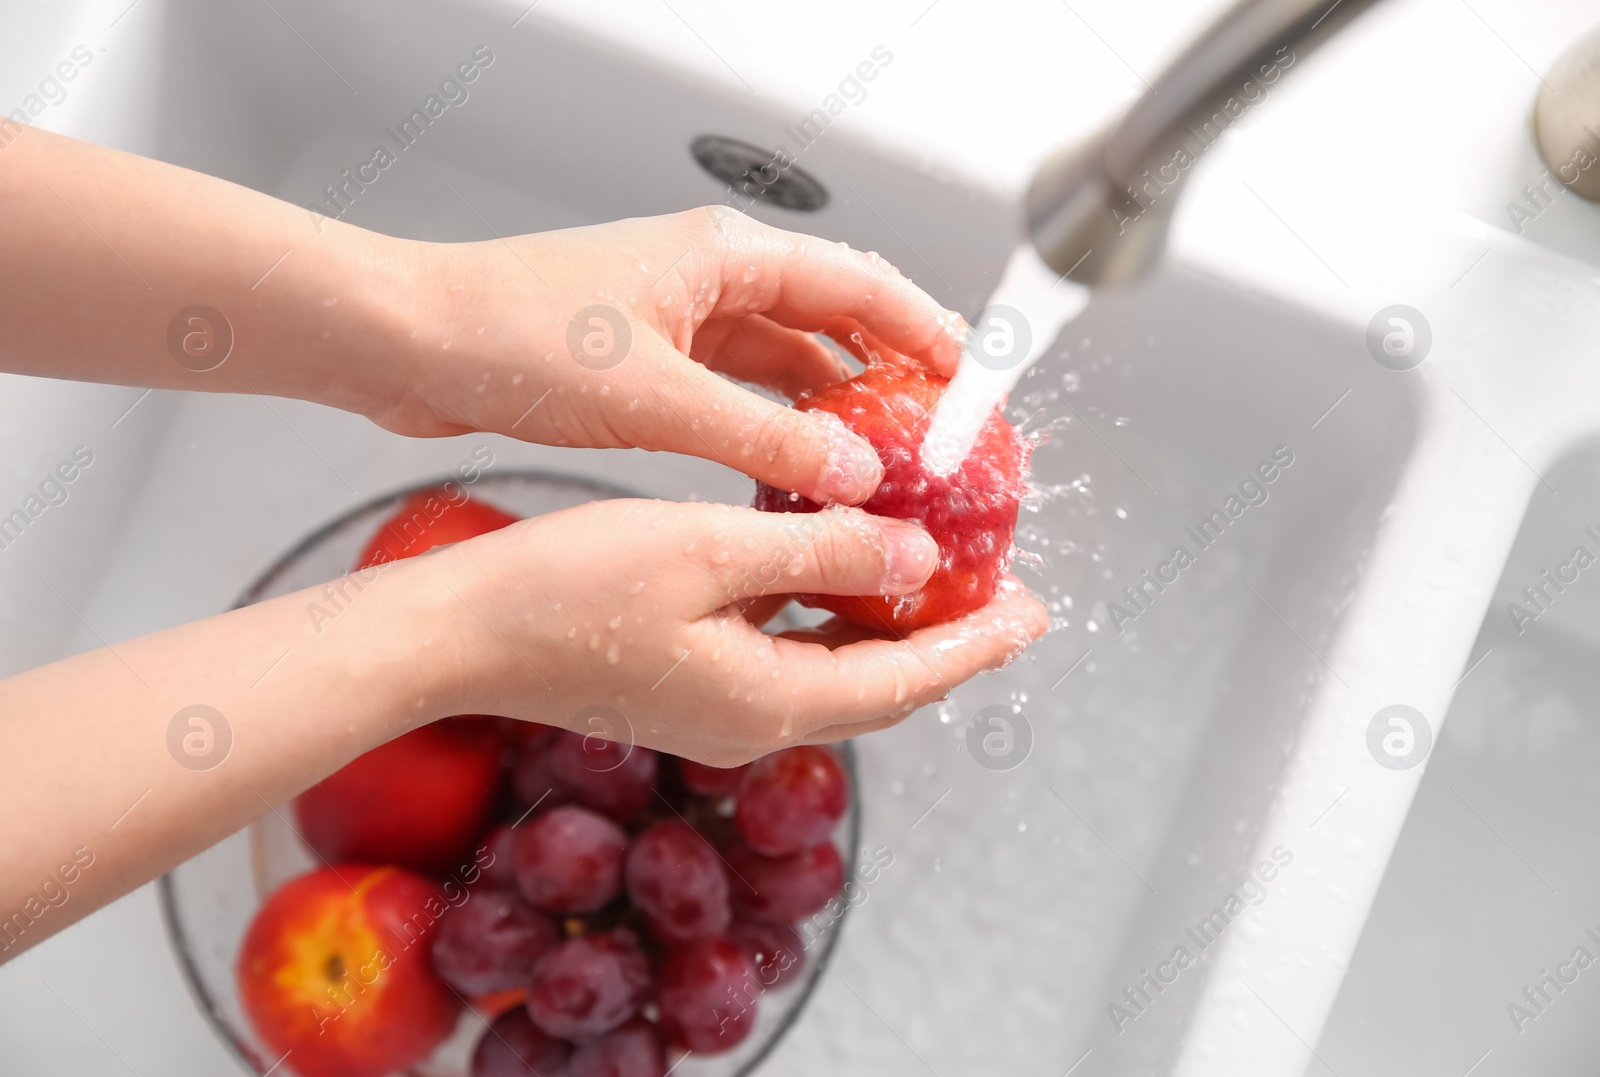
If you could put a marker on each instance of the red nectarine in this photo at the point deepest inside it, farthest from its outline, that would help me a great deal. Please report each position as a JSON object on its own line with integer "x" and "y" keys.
{"x": 418, "y": 801}
{"x": 335, "y": 968}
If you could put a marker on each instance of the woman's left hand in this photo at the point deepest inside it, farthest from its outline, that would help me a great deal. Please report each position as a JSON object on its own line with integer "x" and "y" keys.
{"x": 614, "y": 336}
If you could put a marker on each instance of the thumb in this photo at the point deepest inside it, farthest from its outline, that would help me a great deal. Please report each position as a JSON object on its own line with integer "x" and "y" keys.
{"x": 836, "y": 551}
{"x": 811, "y": 453}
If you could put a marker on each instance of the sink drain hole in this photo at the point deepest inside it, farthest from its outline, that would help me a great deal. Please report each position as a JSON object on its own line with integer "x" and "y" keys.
{"x": 769, "y": 176}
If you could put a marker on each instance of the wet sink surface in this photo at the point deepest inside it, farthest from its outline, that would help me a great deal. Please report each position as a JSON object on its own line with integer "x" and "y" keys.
{"x": 1495, "y": 881}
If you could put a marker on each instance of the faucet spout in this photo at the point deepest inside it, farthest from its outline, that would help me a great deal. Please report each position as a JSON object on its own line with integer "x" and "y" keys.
{"x": 1098, "y": 211}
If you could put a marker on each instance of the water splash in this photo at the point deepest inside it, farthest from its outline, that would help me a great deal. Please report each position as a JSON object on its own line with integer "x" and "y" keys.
{"x": 1046, "y": 302}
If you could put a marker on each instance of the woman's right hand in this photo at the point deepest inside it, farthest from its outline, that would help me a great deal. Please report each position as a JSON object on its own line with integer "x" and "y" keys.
{"x": 653, "y": 608}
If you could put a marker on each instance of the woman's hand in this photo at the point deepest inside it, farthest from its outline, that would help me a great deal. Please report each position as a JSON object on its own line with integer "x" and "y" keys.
{"x": 652, "y": 608}
{"x": 609, "y": 336}
{"x": 136, "y": 272}
{"x": 614, "y": 336}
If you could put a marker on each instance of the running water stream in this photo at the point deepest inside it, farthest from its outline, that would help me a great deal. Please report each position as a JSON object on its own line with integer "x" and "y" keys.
{"x": 1025, "y": 314}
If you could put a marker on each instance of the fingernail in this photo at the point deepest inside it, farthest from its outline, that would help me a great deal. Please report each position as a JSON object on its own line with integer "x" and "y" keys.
{"x": 912, "y": 555}
{"x": 851, "y": 469}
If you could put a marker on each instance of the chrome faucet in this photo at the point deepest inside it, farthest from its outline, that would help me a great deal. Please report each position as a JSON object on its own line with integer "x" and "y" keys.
{"x": 1098, "y": 211}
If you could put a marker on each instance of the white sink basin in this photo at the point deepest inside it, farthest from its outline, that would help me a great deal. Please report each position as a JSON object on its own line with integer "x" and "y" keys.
{"x": 1493, "y": 882}
{"x": 1177, "y": 743}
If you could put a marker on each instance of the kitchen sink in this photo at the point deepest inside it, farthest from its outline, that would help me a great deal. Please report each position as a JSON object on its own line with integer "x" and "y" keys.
{"x": 1189, "y": 761}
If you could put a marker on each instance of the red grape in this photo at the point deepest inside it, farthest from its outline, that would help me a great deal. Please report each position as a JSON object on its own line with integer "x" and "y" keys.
{"x": 535, "y": 783}
{"x": 634, "y": 1050}
{"x": 710, "y": 781}
{"x": 500, "y": 872}
{"x": 589, "y": 985}
{"x": 515, "y": 1047}
{"x": 786, "y": 889}
{"x": 708, "y": 996}
{"x": 677, "y": 881}
{"x": 569, "y": 860}
{"x": 615, "y": 779}
{"x": 791, "y": 800}
{"x": 528, "y": 737}
{"x": 490, "y": 943}
{"x": 777, "y": 953}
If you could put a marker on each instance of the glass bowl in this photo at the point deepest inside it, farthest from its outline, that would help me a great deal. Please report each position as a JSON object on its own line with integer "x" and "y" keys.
{"x": 209, "y": 901}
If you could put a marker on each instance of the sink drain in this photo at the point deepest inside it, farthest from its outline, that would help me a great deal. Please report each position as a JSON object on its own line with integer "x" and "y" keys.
{"x": 769, "y": 176}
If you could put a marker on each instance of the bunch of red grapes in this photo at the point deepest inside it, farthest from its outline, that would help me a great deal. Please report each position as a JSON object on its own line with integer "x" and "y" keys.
{"x": 642, "y": 886}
